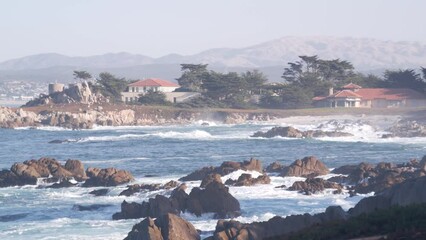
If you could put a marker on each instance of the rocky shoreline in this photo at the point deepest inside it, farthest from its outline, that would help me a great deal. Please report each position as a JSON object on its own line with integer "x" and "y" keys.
{"x": 78, "y": 116}
{"x": 393, "y": 184}
{"x": 87, "y": 118}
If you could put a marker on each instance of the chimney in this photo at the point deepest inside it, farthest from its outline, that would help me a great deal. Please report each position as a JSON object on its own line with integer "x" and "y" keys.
{"x": 330, "y": 91}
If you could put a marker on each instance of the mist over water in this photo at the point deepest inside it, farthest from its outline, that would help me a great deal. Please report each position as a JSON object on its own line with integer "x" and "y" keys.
{"x": 169, "y": 152}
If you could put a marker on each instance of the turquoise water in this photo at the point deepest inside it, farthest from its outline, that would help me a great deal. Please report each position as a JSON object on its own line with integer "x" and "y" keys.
{"x": 169, "y": 152}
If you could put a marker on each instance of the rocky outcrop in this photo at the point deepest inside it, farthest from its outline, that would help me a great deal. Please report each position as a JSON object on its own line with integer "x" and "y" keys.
{"x": 28, "y": 172}
{"x": 99, "y": 192}
{"x": 411, "y": 191}
{"x": 210, "y": 178}
{"x": 314, "y": 185}
{"x": 274, "y": 167}
{"x": 291, "y": 132}
{"x": 75, "y": 93}
{"x": 306, "y": 167}
{"x": 368, "y": 178}
{"x": 214, "y": 198}
{"x": 406, "y": 128}
{"x": 168, "y": 226}
{"x": 50, "y": 171}
{"x": 247, "y": 180}
{"x": 224, "y": 169}
{"x": 135, "y": 188}
{"x": 10, "y": 118}
{"x": 276, "y": 226}
{"x": 107, "y": 177}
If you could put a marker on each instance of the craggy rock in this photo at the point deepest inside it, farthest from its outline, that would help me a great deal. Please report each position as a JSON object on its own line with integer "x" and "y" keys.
{"x": 214, "y": 198}
{"x": 411, "y": 191}
{"x": 180, "y": 197}
{"x": 155, "y": 207}
{"x": 168, "y": 226}
{"x": 247, "y": 180}
{"x": 28, "y": 172}
{"x": 276, "y": 226}
{"x": 11, "y": 118}
{"x": 135, "y": 188}
{"x": 77, "y": 169}
{"x": 306, "y": 167}
{"x": 291, "y": 132}
{"x": 405, "y": 128}
{"x": 369, "y": 178}
{"x": 213, "y": 177}
{"x": 274, "y": 167}
{"x": 64, "y": 183}
{"x": 314, "y": 185}
{"x": 92, "y": 207}
{"x": 129, "y": 211}
{"x": 107, "y": 177}
{"x": 99, "y": 192}
{"x": 224, "y": 169}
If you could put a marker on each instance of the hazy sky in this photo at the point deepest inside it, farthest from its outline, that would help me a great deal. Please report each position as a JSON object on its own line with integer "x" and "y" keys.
{"x": 156, "y": 28}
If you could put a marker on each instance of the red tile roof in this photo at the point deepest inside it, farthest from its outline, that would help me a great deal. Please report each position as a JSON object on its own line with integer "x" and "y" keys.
{"x": 346, "y": 94}
{"x": 389, "y": 93}
{"x": 351, "y": 86}
{"x": 376, "y": 93}
{"x": 153, "y": 82}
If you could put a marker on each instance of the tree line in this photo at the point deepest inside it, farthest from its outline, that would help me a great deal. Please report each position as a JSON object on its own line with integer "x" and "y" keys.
{"x": 303, "y": 79}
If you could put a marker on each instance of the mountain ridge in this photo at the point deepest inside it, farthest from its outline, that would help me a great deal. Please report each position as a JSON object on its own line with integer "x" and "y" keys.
{"x": 365, "y": 54}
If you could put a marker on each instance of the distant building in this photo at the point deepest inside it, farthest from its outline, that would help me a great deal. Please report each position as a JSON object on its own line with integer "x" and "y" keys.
{"x": 134, "y": 90}
{"x": 352, "y": 95}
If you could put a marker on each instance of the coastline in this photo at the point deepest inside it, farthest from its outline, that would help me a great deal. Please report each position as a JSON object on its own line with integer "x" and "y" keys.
{"x": 82, "y": 116}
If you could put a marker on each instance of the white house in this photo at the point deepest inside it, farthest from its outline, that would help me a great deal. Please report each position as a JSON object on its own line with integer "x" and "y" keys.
{"x": 134, "y": 90}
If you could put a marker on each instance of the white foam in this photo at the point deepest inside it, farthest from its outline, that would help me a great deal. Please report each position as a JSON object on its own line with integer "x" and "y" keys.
{"x": 236, "y": 174}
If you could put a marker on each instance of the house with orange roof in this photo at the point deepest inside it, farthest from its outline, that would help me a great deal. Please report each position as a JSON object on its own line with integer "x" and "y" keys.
{"x": 135, "y": 89}
{"x": 352, "y": 95}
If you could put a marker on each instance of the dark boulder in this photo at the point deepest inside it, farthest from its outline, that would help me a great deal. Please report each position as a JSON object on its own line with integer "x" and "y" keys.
{"x": 213, "y": 177}
{"x": 63, "y": 183}
{"x": 135, "y": 188}
{"x": 291, "y": 132}
{"x": 214, "y": 198}
{"x": 13, "y": 217}
{"x": 306, "y": 167}
{"x": 154, "y": 207}
{"x": 314, "y": 185}
{"x": 224, "y": 169}
{"x": 107, "y": 177}
{"x": 180, "y": 197}
{"x": 247, "y": 180}
{"x": 274, "y": 167}
{"x": 274, "y": 227}
{"x": 76, "y": 167}
{"x": 168, "y": 226}
{"x": 99, "y": 192}
{"x": 129, "y": 211}
{"x": 92, "y": 207}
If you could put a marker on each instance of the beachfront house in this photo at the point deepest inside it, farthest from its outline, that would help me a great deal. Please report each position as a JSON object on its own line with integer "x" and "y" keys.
{"x": 352, "y": 95}
{"x": 136, "y": 89}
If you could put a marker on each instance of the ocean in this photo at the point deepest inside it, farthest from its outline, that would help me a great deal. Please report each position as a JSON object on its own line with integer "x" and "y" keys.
{"x": 157, "y": 154}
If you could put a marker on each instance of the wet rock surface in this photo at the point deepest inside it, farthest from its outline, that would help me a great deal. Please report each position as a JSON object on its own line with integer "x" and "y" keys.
{"x": 107, "y": 177}
{"x": 248, "y": 180}
{"x": 314, "y": 185}
{"x": 291, "y": 132}
{"x": 135, "y": 188}
{"x": 168, "y": 226}
{"x": 224, "y": 169}
{"x": 306, "y": 167}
